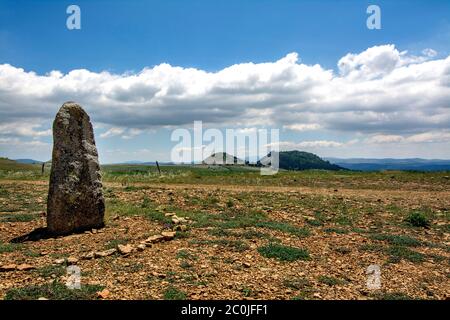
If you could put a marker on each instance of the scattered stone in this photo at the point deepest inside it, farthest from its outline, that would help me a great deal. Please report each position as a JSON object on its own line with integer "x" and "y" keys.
{"x": 169, "y": 214}
{"x": 60, "y": 261}
{"x": 72, "y": 260}
{"x": 141, "y": 247}
{"x": 158, "y": 275}
{"x": 88, "y": 256}
{"x": 103, "y": 294}
{"x": 246, "y": 265}
{"x": 181, "y": 227}
{"x": 75, "y": 198}
{"x": 175, "y": 220}
{"x": 154, "y": 239}
{"x": 168, "y": 235}
{"x": 8, "y": 267}
{"x": 25, "y": 267}
{"x": 105, "y": 253}
{"x": 42, "y": 298}
{"x": 125, "y": 249}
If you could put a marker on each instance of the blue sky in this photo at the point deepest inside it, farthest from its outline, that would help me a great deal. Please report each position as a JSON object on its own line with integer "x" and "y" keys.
{"x": 125, "y": 37}
{"x": 130, "y": 35}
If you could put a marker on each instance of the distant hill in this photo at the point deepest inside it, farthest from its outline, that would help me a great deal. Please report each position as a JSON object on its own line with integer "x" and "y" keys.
{"x": 222, "y": 158}
{"x": 142, "y": 163}
{"x": 28, "y": 161}
{"x": 300, "y": 160}
{"x": 11, "y": 165}
{"x": 413, "y": 164}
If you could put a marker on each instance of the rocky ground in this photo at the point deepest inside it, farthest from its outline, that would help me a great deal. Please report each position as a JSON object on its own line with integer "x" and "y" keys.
{"x": 169, "y": 241}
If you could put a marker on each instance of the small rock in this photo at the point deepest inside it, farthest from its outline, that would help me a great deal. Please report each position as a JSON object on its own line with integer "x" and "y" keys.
{"x": 60, "y": 261}
{"x": 72, "y": 260}
{"x": 105, "y": 253}
{"x": 181, "y": 227}
{"x": 141, "y": 247}
{"x": 25, "y": 267}
{"x": 246, "y": 265}
{"x": 168, "y": 235}
{"x": 42, "y": 298}
{"x": 158, "y": 275}
{"x": 88, "y": 256}
{"x": 169, "y": 214}
{"x": 175, "y": 220}
{"x": 155, "y": 238}
{"x": 8, "y": 267}
{"x": 125, "y": 249}
{"x": 103, "y": 294}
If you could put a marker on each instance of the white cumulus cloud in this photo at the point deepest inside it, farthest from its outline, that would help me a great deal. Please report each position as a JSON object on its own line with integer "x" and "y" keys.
{"x": 381, "y": 93}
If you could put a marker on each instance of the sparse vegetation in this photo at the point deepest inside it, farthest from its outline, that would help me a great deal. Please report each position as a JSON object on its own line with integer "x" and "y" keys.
{"x": 243, "y": 224}
{"x": 283, "y": 253}
{"x": 398, "y": 253}
{"x": 18, "y": 217}
{"x": 331, "y": 281}
{"x": 10, "y": 247}
{"x": 172, "y": 293}
{"x": 393, "y": 296}
{"x": 51, "y": 271}
{"x": 418, "y": 219}
{"x": 397, "y": 240}
{"x": 53, "y": 291}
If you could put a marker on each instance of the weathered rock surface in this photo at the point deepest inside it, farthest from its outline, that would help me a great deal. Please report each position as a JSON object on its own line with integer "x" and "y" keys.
{"x": 75, "y": 198}
{"x": 125, "y": 249}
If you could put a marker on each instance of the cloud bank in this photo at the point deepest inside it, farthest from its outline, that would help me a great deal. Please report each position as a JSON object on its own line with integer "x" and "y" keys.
{"x": 382, "y": 94}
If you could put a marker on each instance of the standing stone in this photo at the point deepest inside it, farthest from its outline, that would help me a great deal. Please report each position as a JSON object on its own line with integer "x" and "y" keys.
{"x": 75, "y": 199}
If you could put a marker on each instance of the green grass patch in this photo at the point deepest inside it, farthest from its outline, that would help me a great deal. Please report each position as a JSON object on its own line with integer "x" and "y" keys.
{"x": 392, "y": 296}
{"x": 284, "y": 227}
{"x": 396, "y": 240}
{"x": 220, "y": 232}
{"x": 418, "y": 219}
{"x": 49, "y": 271}
{"x": 18, "y": 217}
{"x": 283, "y": 253}
{"x": 10, "y": 247}
{"x": 254, "y": 234}
{"x": 173, "y": 293}
{"x": 344, "y": 220}
{"x": 53, "y": 291}
{"x": 120, "y": 208}
{"x": 184, "y": 254}
{"x": 397, "y": 253}
{"x": 314, "y": 222}
{"x": 336, "y": 230}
